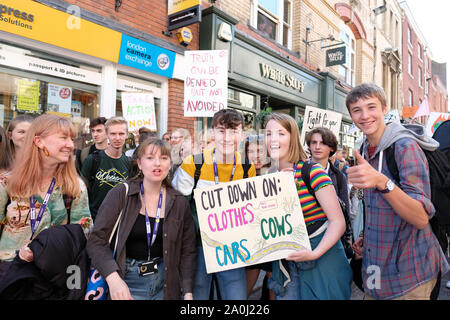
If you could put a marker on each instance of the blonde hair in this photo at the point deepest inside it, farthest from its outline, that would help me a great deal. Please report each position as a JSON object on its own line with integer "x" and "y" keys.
{"x": 296, "y": 151}
{"x": 27, "y": 171}
{"x": 115, "y": 120}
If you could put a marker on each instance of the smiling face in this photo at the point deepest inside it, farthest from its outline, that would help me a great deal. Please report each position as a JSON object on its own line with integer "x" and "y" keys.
{"x": 18, "y": 133}
{"x": 154, "y": 165}
{"x": 368, "y": 116}
{"x": 59, "y": 145}
{"x": 227, "y": 139}
{"x": 277, "y": 140}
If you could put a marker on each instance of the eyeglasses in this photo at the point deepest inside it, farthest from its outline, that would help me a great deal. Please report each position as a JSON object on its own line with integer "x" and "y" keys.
{"x": 176, "y": 138}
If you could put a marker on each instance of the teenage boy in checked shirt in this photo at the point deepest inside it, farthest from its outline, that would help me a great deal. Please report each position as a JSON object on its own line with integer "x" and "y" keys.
{"x": 401, "y": 256}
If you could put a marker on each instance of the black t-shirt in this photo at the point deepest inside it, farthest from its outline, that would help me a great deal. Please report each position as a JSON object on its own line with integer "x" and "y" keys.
{"x": 136, "y": 245}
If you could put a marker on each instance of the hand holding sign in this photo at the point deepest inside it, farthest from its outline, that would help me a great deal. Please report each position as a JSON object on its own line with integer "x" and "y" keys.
{"x": 364, "y": 176}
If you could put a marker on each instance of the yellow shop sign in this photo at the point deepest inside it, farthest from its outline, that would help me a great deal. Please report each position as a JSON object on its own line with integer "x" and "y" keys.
{"x": 39, "y": 22}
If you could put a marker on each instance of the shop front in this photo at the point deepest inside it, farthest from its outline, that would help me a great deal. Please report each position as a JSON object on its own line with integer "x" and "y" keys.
{"x": 272, "y": 80}
{"x": 49, "y": 63}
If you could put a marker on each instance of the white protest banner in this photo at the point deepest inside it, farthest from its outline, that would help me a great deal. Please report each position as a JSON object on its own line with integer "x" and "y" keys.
{"x": 206, "y": 82}
{"x": 59, "y": 99}
{"x": 435, "y": 119}
{"x": 139, "y": 110}
{"x": 317, "y": 117}
{"x": 250, "y": 221}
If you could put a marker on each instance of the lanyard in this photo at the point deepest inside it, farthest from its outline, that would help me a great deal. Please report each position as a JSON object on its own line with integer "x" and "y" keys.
{"x": 216, "y": 171}
{"x": 35, "y": 222}
{"x": 151, "y": 238}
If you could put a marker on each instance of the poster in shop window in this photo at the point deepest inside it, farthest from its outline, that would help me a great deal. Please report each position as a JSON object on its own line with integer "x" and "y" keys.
{"x": 250, "y": 221}
{"x": 28, "y": 95}
{"x": 139, "y": 110}
{"x": 59, "y": 100}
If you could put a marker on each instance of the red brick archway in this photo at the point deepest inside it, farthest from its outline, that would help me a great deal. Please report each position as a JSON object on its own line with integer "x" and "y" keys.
{"x": 355, "y": 24}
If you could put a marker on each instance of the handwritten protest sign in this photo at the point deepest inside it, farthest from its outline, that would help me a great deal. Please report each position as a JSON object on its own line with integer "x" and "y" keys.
{"x": 434, "y": 121}
{"x": 206, "y": 83}
{"x": 250, "y": 221}
{"x": 139, "y": 110}
{"x": 316, "y": 117}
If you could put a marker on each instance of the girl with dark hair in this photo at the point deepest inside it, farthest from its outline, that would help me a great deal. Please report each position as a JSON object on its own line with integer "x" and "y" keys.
{"x": 156, "y": 253}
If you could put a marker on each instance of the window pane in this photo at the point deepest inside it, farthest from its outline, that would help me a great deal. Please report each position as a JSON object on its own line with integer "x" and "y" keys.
{"x": 285, "y": 36}
{"x": 266, "y": 26}
{"x": 270, "y": 5}
{"x": 287, "y": 11}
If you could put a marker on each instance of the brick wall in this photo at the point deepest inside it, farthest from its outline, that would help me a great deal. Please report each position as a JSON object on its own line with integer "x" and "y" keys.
{"x": 150, "y": 17}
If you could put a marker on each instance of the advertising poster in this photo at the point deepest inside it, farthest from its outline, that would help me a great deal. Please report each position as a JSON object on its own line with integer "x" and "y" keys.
{"x": 317, "y": 117}
{"x": 206, "y": 83}
{"x": 250, "y": 221}
{"x": 139, "y": 110}
{"x": 76, "y": 109}
{"x": 59, "y": 99}
{"x": 28, "y": 95}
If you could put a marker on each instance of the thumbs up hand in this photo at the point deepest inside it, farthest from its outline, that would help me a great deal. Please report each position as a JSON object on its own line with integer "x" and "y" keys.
{"x": 364, "y": 176}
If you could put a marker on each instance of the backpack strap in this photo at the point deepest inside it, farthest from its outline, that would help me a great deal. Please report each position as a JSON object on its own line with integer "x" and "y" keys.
{"x": 306, "y": 171}
{"x": 391, "y": 163}
{"x": 246, "y": 166}
{"x": 198, "y": 161}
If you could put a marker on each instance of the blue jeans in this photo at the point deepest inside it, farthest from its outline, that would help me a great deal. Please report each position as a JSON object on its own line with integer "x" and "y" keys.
{"x": 232, "y": 283}
{"x": 148, "y": 287}
{"x": 327, "y": 278}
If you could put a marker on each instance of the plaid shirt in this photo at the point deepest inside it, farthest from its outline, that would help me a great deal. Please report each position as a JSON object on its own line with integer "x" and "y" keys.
{"x": 405, "y": 256}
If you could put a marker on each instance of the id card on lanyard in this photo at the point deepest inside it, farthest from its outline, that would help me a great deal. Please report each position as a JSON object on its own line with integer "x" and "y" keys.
{"x": 151, "y": 237}
{"x": 34, "y": 222}
{"x": 216, "y": 171}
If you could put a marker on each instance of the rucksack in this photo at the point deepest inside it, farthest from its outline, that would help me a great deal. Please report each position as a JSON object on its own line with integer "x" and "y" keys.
{"x": 347, "y": 237}
{"x": 439, "y": 172}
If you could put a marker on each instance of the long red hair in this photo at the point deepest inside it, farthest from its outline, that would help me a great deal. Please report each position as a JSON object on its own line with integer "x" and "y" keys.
{"x": 26, "y": 172}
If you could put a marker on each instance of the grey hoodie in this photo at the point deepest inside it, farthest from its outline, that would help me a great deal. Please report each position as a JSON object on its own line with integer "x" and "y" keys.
{"x": 396, "y": 131}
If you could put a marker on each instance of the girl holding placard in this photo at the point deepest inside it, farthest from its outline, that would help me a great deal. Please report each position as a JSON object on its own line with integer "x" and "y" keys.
{"x": 321, "y": 273}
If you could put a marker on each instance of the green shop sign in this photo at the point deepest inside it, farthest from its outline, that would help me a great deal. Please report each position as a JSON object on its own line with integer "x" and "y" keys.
{"x": 279, "y": 76}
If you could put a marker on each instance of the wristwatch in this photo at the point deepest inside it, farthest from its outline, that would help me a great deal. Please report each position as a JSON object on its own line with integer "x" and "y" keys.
{"x": 389, "y": 187}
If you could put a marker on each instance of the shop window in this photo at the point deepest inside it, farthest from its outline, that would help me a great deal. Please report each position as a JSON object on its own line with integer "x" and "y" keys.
{"x": 33, "y": 82}
{"x": 273, "y": 18}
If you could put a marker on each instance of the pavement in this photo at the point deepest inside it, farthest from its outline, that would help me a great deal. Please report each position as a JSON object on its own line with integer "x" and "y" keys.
{"x": 444, "y": 293}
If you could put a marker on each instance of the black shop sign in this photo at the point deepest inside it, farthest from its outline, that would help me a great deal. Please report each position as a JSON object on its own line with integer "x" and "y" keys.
{"x": 335, "y": 56}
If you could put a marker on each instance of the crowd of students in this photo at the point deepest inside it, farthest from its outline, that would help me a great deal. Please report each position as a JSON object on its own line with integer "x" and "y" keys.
{"x": 138, "y": 213}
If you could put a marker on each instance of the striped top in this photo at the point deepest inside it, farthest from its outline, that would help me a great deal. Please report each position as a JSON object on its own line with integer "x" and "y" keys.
{"x": 312, "y": 212}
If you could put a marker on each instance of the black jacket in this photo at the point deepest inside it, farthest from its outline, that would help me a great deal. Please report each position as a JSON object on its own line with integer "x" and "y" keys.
{"x": 54, "y": 250}
{"x": 179, "y": 249}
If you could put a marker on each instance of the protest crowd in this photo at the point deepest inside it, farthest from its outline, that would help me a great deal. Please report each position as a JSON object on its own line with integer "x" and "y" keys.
{"x": 131, "y": 222}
